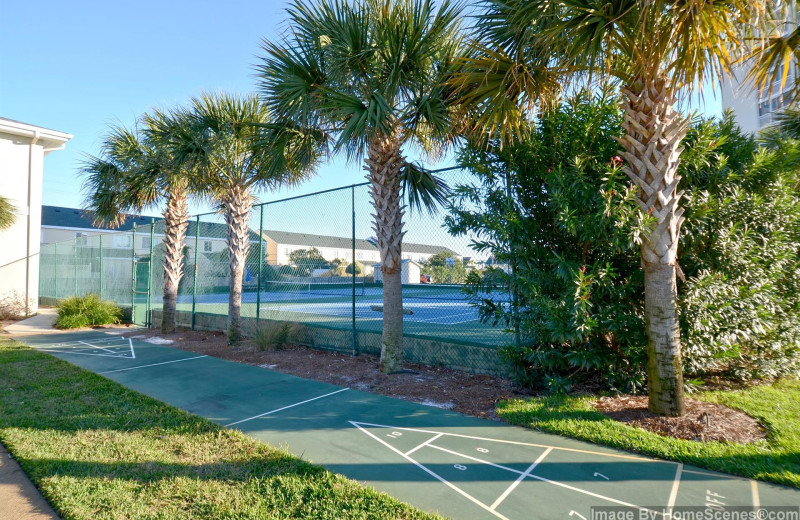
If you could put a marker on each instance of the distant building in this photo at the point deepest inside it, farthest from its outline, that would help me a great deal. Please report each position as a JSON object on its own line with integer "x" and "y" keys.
{"x": 281, "y": 244}
{"x": 753, "y": 110}
{"x": 409, "y": 274}
{"x": 23, "y": 148}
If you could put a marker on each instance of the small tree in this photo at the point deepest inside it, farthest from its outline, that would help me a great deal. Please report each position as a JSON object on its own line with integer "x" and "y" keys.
{"x": 359, "y": 267}
{"x": 309, "y": 259}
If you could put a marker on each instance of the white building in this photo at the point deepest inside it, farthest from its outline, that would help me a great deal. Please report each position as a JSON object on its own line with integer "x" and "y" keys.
{"x": 410, "y": 271}
{"x": 23, "y": 148}
{"x": 754, "y": 110}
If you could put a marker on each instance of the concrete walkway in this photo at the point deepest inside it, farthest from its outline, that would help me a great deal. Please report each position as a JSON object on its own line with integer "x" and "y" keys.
{"x": 19, "y": 498}
{"x": 42, "y": 323}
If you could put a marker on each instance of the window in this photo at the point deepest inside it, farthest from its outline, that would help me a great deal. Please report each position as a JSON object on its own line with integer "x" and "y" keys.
{"x": 146, "y": 242}
{"x": 207, "y": 246}
{"x": 121, "y": 241}
{"x": 81, "y": 239}
{"x": 359, "y": 255}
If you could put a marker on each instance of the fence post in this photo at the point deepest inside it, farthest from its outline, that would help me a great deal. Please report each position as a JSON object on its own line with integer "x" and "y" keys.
{"x": 55, "y": 269}
{"x": 149, "y": 316}
{"x": 513, "y": 255}
{"x": 100, "y": 236}
{"x": 133, "y": 275}
{"x": 196, "y": 249}
{"x": 260, "y": 262}
{"x": 75, "y": 261}
{"x": 353, "y": 264}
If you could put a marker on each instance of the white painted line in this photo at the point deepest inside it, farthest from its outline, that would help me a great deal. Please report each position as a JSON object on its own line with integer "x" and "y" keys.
{"x": 673, "y": 495}
{"x": 133, "y": 354}
{"x": 431, "y": 473}
{"x": 412, "y": 450}
{"x": 502, "y": 441}
{"x": 520, "y": 479}
{"x": 151, "y": 365}
{"x": 756, "y": 499}
{"x": 95, "y": 346}
{"x": 284, "y": 408}
{"x": 76, "y": 342}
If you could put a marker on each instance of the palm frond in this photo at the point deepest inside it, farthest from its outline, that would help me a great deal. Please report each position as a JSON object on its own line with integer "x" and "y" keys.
{"x": 422, "y": 190}
{"x": 8, "y": 213}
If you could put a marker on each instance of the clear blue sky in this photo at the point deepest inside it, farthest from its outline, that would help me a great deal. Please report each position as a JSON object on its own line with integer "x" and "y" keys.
{"x": 78, "y": 67}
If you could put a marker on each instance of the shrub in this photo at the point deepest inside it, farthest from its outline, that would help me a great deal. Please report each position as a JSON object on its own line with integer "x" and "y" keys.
{"x": 570, "y": 229}
{"x": 359, "y": 268}
{"x": 273, "y": 335}
{"x": 87, "y": 311}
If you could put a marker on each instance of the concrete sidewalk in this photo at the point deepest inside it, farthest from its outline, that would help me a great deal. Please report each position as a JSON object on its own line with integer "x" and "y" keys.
{"x": 19, "y": 498}
{"x": 42, "y": 323}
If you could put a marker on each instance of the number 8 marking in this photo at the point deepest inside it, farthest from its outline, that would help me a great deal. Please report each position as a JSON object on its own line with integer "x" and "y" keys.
{"x": 459, "y": 466}
{"x": 483, "y": 450}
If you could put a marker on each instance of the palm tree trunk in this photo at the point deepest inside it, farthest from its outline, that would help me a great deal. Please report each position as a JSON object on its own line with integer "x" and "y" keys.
{"x": 384, "y": 162}
{"x": 176, "y": 219}
{"x": 237, "y": 204}
{"x": 652, "y": 135}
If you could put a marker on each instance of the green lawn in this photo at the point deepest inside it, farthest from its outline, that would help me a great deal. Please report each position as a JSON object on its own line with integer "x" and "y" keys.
{"x": 98, "y": 450}
{"x": 776, "y": 406}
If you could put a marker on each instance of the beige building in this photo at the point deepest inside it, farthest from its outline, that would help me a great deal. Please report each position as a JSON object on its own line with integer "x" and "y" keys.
{"x": 23, "y": 148}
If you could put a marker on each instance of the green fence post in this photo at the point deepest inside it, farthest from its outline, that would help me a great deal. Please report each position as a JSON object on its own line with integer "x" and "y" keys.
{"x": 260, "y": 262}
{"x": 75, "y": 261}
{"x": 55, "y": 269}
{"x": 196, "y": 249}
{"x": 513, "y": 255}
{"x": 353, "y": 269}
{"x": 101, "y": 265}
{"x": 149, "y": 316}
{"x": 133, "y": 275}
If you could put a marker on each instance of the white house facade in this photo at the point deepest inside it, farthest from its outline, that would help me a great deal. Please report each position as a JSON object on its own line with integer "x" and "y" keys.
{"x": 23, "y": 148}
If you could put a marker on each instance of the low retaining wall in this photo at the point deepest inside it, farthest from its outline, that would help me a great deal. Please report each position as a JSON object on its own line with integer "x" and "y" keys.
{"x": 467, "y": 358}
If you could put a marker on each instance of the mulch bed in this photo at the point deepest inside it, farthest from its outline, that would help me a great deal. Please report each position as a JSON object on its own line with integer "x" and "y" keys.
{"x": 470, "y": 394}
{"x": 702, "y": 422}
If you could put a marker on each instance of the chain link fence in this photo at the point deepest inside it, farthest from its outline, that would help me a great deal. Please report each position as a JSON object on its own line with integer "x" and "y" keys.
{"x": 313, "y": 262}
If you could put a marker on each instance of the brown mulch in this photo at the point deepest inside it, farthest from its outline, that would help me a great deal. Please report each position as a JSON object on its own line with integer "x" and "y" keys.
{"x": 471, "y": 394}
{"x": 702, "y": 422}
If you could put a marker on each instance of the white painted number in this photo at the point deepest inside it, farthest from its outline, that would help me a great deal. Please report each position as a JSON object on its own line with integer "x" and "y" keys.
{"x": 483, "y": 450}
{"x": 394, "y": 435}
{"x": 460, "y": 466}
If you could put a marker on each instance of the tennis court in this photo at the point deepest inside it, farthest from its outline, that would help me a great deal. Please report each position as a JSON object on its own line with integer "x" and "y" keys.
{"x": 462, "y": 467}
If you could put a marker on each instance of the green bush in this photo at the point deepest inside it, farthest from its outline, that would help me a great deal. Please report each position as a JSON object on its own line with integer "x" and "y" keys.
{"x": 359, "y": 268}
{"x": 560, "y": 200}
{"x": 87, "y": 311}
{"x": 273, "y": 335}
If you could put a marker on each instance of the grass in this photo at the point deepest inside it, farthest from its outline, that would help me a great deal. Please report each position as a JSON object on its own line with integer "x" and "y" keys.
{"x": 98, "y": 450}
{"x": 777, "y": 407}
{"x": 86, "y": 311}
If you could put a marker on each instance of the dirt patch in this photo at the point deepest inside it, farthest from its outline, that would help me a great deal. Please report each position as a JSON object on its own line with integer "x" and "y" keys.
{"x": 702, "y": 422}
{"x": 471, "y": 394}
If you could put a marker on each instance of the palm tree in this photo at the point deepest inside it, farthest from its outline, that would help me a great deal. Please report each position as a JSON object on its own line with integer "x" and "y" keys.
{"x": 773, "y": 50}
{"x": 8, "y": 213}
{"x": 368, "y": 77}
{"x": 654, "y": 49}
{"x": 237, "y": 149}
{"x": 137, "y": 170}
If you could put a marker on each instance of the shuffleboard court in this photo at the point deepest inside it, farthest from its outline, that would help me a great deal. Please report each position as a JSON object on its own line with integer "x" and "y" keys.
{"x": 462, "y": 467}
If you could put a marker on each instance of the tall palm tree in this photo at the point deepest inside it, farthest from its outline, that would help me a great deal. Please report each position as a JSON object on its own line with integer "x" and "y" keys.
{"x": 137, "y": 169}
{"x": 369, "y": 77}
{"x": 654, "y": 49}
{"x": 8, "y": 213}
{"x": 237, "y": 149}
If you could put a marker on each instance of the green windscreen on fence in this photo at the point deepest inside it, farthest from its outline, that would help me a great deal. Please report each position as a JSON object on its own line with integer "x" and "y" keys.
{"x": 311, "y": 259}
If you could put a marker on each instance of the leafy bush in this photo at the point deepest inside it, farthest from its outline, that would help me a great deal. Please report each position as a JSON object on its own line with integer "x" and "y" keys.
{"x": 87, "y": 311}
{"x": 358, "y": 266}
{"x": 557, "y": 209}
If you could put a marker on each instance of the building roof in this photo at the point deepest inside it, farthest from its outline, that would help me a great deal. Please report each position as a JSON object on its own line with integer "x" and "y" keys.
{"x": 305, "y": 239}
{"x": 50, "y": 139}
{"x": 61, "y": 217}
